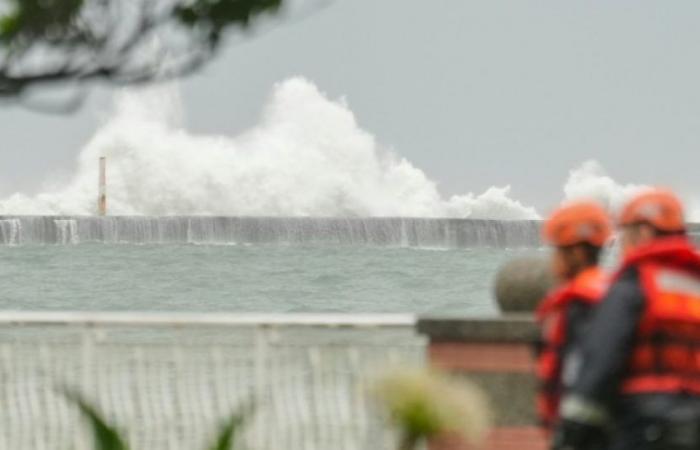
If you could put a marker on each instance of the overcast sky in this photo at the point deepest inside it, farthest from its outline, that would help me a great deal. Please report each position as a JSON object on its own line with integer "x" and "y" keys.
{"x": 477, "y": 93}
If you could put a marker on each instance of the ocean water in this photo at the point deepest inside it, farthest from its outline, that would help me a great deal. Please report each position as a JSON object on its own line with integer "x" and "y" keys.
{"x": 250, "y": 278}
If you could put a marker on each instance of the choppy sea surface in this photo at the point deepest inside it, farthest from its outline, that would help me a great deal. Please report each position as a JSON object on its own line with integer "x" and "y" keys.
{"x": 250, "y": 278}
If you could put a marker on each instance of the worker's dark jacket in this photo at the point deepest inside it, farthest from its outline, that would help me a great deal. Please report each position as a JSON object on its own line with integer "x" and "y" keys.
{"x": 564, "y": 316}
{"x": 640, "y": 360}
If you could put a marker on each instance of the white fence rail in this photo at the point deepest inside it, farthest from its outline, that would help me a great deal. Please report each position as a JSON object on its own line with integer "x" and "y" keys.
{"x": 167, "y": 379}
{"x": 140, "y": 319}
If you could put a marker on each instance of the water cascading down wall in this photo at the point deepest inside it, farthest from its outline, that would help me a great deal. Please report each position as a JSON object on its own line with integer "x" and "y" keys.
{"x": 408, "y": 232}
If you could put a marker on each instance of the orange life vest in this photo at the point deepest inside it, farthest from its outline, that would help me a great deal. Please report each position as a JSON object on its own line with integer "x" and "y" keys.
{"x": 589, "y": 287}
{"x": 666, "y": 354}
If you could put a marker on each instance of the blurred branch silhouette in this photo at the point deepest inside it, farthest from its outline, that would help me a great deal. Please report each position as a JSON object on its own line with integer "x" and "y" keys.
{"x": 124, "y": 42}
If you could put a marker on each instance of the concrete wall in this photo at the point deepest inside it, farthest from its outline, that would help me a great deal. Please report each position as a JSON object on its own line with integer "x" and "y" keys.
{"x": 497, "y": 355}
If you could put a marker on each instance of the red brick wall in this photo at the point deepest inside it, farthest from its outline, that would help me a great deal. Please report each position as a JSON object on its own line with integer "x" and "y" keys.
{"x": 481, "y": 357}
{"x": 517, "y": 438}
{"x": 502, "y": 438}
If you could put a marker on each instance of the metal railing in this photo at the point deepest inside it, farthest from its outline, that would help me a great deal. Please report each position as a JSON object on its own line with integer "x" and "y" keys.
{"x": 167, "y": 378}
{"x": 92, "y": 318}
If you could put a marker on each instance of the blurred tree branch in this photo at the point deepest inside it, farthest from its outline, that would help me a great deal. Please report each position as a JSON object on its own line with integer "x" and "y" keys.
{"x": 121, "y": 41}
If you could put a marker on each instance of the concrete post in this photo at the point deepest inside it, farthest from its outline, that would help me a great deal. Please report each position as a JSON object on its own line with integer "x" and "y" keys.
{"x": 102, "y": 188}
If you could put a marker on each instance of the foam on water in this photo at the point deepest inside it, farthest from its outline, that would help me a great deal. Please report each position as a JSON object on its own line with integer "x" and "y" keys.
{"x": 590, "y": 181}
{"x": 306, "y": 157}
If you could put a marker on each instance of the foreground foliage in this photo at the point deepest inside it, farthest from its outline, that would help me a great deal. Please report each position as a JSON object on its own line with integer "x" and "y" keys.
{"x": 106, "y": 436}
{"x": 426, "y": 405}
{"x": 116, "y": 40}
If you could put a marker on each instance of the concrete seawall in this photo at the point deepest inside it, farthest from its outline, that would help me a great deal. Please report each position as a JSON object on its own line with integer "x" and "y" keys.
{"x": 388, "y": 231}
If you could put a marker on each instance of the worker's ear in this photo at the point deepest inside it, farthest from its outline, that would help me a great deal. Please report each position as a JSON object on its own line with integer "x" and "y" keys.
{"x": 579, "y": 257}
{"x": 646, "y": 233}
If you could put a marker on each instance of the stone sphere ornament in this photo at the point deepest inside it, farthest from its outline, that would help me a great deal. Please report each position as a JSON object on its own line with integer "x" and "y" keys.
{"x": 521, "y": 283}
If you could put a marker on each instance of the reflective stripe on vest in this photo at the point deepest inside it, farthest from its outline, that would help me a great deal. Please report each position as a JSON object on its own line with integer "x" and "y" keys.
{"x": 666, "y": 355}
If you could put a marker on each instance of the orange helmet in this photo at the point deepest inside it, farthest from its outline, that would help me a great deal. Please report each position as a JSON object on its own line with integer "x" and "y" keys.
{"x": 657, "y": 207}
{"x": 578, "y": 223}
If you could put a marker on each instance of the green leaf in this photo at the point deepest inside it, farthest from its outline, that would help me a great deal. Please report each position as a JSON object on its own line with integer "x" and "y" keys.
{"x": 106, "y": 436}
{"x": 9, "y": 25}
{"x": 228, "y": 432}
{"x": 11, "y": 22}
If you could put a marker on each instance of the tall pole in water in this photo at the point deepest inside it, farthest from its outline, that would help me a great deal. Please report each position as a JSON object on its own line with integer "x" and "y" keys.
{"x": 102, "y": 196}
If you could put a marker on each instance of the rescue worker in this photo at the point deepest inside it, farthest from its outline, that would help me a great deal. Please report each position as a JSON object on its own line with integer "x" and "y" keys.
{"x": 638, "y": 372}
{"x": 577, "y": 232}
